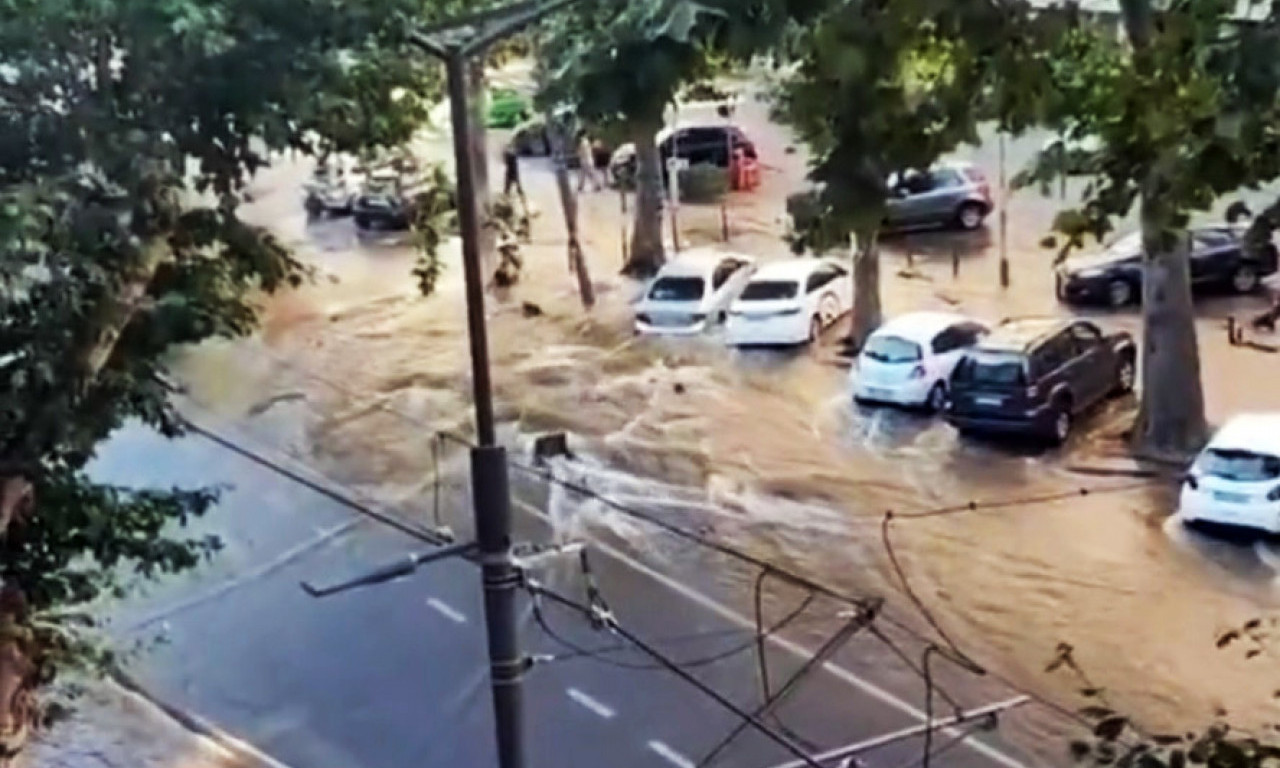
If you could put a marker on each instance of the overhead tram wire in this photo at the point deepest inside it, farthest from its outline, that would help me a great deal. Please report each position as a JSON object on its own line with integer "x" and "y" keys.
{"x": 608, "y": 622}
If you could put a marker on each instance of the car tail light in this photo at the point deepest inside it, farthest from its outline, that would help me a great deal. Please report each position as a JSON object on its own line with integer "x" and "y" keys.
{"x": 917, "y": 372}
{"x": 1274, "y": 495}
{"x": 1194, "y": 484}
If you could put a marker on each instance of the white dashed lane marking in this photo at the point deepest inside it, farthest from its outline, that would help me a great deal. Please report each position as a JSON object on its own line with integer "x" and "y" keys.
{"x": 592, "y": 704}
{"x": 670, "y": 755}
{"x": 446, "y": 610}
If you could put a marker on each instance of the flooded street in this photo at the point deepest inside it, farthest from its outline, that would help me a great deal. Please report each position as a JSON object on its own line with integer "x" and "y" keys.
{"x": 766, "y": 452}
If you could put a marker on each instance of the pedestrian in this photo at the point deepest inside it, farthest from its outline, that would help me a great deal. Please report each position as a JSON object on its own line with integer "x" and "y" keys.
{"x": 511, "y": 161}
{"x": 587, "y": 163}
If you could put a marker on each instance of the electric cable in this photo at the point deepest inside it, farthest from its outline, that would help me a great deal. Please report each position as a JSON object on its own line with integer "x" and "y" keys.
{"x": 609, "y": 623}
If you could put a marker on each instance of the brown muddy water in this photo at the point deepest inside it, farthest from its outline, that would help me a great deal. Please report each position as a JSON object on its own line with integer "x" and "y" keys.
{"x": 768, "y": 451}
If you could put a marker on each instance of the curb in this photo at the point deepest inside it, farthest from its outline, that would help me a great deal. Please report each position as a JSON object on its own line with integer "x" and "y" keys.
{"x": 249, "y": 755}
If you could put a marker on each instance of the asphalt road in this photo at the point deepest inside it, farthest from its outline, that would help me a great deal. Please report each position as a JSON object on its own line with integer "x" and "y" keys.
{"x": 395, "y": 675}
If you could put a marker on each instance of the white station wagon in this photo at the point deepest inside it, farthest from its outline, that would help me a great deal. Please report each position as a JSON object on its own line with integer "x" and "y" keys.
{"x": 909, "y": 360}
{"x": 1236, "y": 479}
{"x": 789, "y": 302}
{"x": 692, "y": 292}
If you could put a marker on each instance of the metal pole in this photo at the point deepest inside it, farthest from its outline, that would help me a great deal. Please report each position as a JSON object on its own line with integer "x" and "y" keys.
{"x": 488, "y": 462}
{"x": 1004, "y": 220}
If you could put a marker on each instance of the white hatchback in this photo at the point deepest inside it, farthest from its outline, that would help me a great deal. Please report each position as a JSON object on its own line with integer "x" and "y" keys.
{"x": 909, "y": 360}
{"x": 789, "y": 302}
{"x": 692, "y": 292}
{"x": 1235, "y": 480}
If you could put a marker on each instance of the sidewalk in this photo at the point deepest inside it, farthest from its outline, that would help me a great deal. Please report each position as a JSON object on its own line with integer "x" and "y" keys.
{"x": 113, "y": 728}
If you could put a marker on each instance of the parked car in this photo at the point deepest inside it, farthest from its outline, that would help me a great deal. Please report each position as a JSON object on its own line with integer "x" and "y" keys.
{"x": 385, "y": 202}
{"x": 332, "y": 189}
{"x": 789, "y": 302}
{"x": 507, "y": 108}
{"x": 1235, "y": 481}
{"x": 1113, "y": 276}
{"x": 692, "y": 292}
{"x": 1037, "y": 376}
{"x": 530, "y": 140}
{"x": 909, "y": 360}
{"x": 950, "y": 194}
{"x": 699, "y": 144}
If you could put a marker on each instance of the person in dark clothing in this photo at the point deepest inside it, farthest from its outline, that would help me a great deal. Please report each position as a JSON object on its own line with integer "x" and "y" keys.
{"x": 511, "y": 161}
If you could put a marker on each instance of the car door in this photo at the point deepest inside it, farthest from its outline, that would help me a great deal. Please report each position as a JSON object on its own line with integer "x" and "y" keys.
{"x": 909, "y": 198}
{"x": 1092, "y": 368}
{"x": 1214, "y": 256}
{"x": 821, "y": 297}
{"x": 940, "y": 201}
{"x": 727, "y": 281}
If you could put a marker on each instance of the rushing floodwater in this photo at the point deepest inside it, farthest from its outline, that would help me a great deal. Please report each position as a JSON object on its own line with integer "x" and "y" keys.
{"x": 767, "y": 453}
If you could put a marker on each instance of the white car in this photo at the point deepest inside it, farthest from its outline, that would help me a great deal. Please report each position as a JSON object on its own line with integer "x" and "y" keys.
{"x": 692, "y": 292}
{"x": 789, "y": 302}
{"x": 909, "y": 360}
{"x": 1236, "y": 478}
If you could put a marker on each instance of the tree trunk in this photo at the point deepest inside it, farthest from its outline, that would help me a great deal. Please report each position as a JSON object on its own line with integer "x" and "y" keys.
{"x": 479, "y": 98}
{"x": 1171, "y": 421}
{"x": 866, "y": 312}
{"x": 647, "y": 255}
{"x": 569, "y": 203}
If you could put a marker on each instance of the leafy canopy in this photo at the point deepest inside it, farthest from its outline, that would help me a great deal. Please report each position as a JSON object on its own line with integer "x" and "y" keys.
{"x": 128, "y": 130}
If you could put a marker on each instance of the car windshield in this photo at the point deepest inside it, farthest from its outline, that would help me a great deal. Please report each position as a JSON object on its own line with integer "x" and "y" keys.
{"x": 1001, "y": 369}
{"x": 1242, "y": 466}
{"x": 770, "y": 290}
{"x": 677, "y": 289}
{"x": 891, "y": 349}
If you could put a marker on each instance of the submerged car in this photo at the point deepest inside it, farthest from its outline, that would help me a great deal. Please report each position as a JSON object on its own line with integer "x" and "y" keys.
{"x": 948, "y": 194}
{"x": 1113, "y": 276}
{"x": 789, "y": 302}
{"x": 331, "y": 190}
{"x": 692, "y": 293}
{"x": 909, "y": 360}
{"x": 1235, "y": 481}
{"x": 1037, "y": 376}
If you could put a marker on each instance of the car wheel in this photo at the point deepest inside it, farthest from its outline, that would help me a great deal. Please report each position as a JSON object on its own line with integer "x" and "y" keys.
{"x": 1244, "y": 279}
{"x": 815, "y": 330}
{"x": 1119, "y": 293}
{"x": 970, "y": 216}
{"x": 937, "y": 398}
{"x": 363, "y": 221}
{"x": 1061, "y": 426}
{"x": 1125, "y": 376}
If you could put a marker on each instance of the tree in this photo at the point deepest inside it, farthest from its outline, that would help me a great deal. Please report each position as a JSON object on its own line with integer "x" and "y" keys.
{"x": 128, "y": 131}
{"x": 882, "y": 89}
{"x": 1185, "y": 113}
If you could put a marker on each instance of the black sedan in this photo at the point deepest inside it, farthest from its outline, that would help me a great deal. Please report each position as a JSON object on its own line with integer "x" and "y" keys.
{"x": 1114, "y": 276}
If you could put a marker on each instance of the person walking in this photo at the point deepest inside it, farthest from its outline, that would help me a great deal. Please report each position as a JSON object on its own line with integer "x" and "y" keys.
{"x": 587, "y": 163}
{"x": 511, "y": 162}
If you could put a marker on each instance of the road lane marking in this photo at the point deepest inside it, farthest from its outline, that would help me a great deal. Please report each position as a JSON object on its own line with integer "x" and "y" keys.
{"x": 592, "y": 704}
{"x": 670, "y": 755}
{"x": 446, "y": 610}
{"x": 794, "y": 648}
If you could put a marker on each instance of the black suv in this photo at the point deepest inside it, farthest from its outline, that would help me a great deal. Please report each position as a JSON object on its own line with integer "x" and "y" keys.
{"x": 700, "y": 145}
{"x": 1035, "y": 376}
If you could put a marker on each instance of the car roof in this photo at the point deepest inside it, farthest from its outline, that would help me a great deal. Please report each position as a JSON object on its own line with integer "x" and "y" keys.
{"x": 1258, "y": 432}
{"x": 1018, "y": 334}
{"x": 699, "y": 261}
{"x": 790, "y": 269}
{"x": 920, "y": 326}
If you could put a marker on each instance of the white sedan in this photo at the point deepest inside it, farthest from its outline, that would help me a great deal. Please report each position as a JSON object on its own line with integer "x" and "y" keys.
{"x": 909, "y": 360}
{"x": 692, "y": 292}
{"x": 1235, "y": 480}
{"x": 789, "y": 302}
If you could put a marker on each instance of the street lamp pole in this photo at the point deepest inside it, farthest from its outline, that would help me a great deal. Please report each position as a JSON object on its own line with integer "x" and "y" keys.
{"x": 1004, "y": 219}
{"x": 455, "y": 42}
